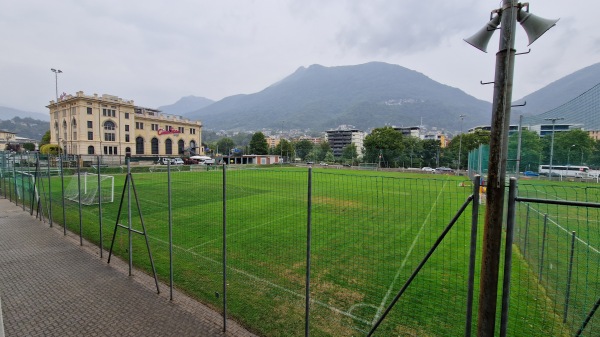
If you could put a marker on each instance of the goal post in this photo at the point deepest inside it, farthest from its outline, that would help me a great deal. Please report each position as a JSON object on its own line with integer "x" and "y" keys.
{"x": 88, "y": 188}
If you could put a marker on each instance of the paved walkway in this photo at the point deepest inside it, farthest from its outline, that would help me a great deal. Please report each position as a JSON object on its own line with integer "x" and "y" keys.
{"x": 52, "y": 286}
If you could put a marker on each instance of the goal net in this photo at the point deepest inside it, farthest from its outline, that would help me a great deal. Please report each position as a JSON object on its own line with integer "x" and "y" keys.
{"x": 87, "y": 188}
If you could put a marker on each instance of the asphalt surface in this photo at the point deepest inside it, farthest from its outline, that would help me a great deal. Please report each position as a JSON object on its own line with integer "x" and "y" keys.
{"x": 50, "y": 285}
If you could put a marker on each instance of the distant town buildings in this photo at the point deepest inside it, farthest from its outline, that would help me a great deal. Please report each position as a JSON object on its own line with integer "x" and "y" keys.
{"x": 116, "y": 128}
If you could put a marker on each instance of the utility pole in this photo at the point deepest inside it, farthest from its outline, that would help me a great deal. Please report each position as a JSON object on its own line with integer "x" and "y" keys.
{"x": 492, "y": 232}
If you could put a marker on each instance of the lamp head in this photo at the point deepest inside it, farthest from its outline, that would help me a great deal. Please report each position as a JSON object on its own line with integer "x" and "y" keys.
{"x": 481, "y": 39}
{"x": 533, "y": 25}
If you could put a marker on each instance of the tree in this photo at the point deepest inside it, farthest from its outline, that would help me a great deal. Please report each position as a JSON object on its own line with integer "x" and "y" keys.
{"x": 285, "y": 149}
{"x": 45, "y": 138}
{"x": 29, "y": 146}
{"x": 349, "y": 153}
{"x": 470, "y": 141}
{"x": 431, "y": 151}
{"x": 531, "y": 149}
{"x": 258, "y": 144}
{"x": 383, "y": 145}
{"x": 225, "y": 145}
{"x": 329, "y": 158}
{"x": 303, "y": 148}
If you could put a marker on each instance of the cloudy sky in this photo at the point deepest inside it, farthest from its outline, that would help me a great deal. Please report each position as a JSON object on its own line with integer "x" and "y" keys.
{"x": 157, "y": 51}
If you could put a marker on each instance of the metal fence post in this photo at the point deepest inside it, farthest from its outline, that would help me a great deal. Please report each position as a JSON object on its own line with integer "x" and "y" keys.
{"x": 62, "y": 187}
{"x": 170, "y": 212}
{"x": 100, "y": 208}
{"x": 49, "y": 190}
{"x": 78, "y": 157}
{"x": 472, "y": 253}
{"x": 526, "y": 231}
{"x": 569, "y": 276}
{"x": 129, "y": 220}
{"x": 510, "y": 225}
{"x": 224, "y": 247}
{"x": 308, "y": 251}
{"x": 543, "y": 247}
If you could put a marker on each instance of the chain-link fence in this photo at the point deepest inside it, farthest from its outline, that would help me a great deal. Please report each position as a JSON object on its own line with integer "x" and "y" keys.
{"x": 296, "y": 251}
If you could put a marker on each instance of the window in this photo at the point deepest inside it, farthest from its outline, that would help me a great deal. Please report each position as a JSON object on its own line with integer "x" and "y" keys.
{"x": 126, "y": 127}
{"x": 180, "y": 146}
{"x": 90, "y": 135}
{"x": 109, "y": 131}
{"x": 109, "y": 112}
{"x": 90, "y": 149}
{"x": 168, "y": 146}
{"x": 193, "y": 145}
{"x": 89, "y": 112}
{"x": 74, "y": 128}
{"x": 154, "y": 145}
{"x": 110, "y": 150}
{"x": 139, "y": 125}
{"x": 127, "y": 115}
{"x": 90, "y": 124}
{"x": 181, "y": 129}
{"x": 127, "y": 152}
{"x": 64, "y": 130}
{"x": 139, "y": 145}
{"x": 127, "y": 137}
{"x": 154, "y": 127}
{"x": 192, "y": 131}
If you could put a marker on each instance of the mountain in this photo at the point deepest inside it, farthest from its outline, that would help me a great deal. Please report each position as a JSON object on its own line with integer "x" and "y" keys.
{"x": 185, "y": 105}
{"x": 26, "y": 127}
{"x": 560, "y": 91}
{"x": 8, "y": 113}
{"x": 366, "y": 96}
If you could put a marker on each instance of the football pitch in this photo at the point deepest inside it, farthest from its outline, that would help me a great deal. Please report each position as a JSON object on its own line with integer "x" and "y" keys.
{"x": 368, "y": 232}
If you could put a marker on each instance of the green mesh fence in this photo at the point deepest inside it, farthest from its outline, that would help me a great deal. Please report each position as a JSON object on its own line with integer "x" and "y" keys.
{"x": 369, "y": 231}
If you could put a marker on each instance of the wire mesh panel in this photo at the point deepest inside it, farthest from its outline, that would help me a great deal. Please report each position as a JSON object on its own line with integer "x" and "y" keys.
{"x": 559, "y": 270}
{"x": 369, "y": 233}
{"x": 266, "y": 249}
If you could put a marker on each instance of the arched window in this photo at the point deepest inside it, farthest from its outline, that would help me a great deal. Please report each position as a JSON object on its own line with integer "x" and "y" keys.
{"x": 193, "y": 146}
{"x": 180, "y": 146}
{"x": 64, "y": 130}
{"x": 109, "y": 131}
{"x": 154, "y": 145}
{"x": 74, "y": 129}
{"x": 56, "y": 133}
{"x": 168, "y": 146}
{"x": 139, "y": 145}
{"x": 90, "y": 149}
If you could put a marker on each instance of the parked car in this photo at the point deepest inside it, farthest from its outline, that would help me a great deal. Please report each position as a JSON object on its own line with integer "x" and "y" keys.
{"x": 444, "y": 170}
{"x": 324, "y": 164}
{"x": 177, "y": 161}
{"x": 428, "y": 169}
{"x": 531, "y": 174}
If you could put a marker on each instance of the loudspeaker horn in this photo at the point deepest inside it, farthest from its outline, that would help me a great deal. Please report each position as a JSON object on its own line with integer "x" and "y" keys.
{"x": 533, "y": 25}
{"x": 481, "y": 39}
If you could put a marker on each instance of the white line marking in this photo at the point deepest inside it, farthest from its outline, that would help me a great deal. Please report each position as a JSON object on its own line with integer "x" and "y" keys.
{"x": 567, "y": 231}
{"x": 412, "y": 246}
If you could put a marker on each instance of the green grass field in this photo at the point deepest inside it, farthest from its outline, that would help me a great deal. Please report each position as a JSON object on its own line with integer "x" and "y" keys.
{"x": 369, "y": 231}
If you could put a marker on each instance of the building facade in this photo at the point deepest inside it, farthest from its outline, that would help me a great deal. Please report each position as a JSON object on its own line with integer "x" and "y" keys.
{"x": 115, "y": 128}
{"x": 339, "y": 139}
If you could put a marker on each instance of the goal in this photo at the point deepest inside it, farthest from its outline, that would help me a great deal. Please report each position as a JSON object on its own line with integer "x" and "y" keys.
{"x": 87, "y": 189}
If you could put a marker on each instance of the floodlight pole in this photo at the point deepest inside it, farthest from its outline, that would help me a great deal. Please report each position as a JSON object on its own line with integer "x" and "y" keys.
{"x": 462, "y": 117}
{"x": 553, "y": 120}
{"x": 492, "y": 232}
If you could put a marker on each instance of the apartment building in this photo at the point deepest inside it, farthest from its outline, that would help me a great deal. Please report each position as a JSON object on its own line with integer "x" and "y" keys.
{"x": 116, "y": 128}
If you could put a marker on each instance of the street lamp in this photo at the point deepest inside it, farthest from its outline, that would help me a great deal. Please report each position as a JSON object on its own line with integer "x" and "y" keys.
{"x": 56, "y": 72}
{"x": 553, "y": 120}
{"x": 505, "y": 16}
{"x": 569, "y": 155}
{"x": 462, "y": 117}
